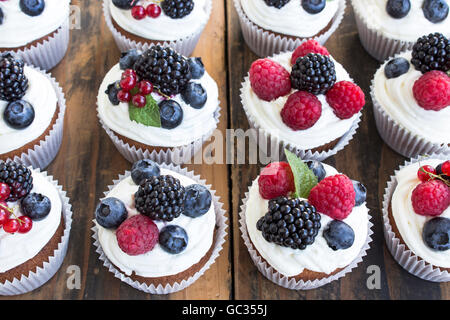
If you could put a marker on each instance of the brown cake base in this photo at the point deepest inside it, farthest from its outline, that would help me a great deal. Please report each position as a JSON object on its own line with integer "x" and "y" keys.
{"x": 326, "y": 147}
{"x": 134, "y": 37}
{"x": 31, "y": 44}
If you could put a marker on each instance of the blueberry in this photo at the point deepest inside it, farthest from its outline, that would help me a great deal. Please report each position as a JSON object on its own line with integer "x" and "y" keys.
{"x": 194, "y": 95}
{"x": 129, "y": 58}
{"x": 32, "y": 7}
{"x": 1, "y": 16}
{"x": 125, "y": 4}
{"x": 396, "y": 67}
{"x": 398, "y": 8}
{"x": 110, "y": 213}
{"x": 197, "y": 68}
{"x": 339, "y": 235}
{"x": 112, "y": 91}
{"x": 436, "y": 233}
{"x": 19, "y": 114}
{"x": 173, "y": 239}
{"x": 144, "y": 169}
{"x": 360, "y": 192}
{"x": 317, "y": 168}
{"x": 198, "y": 201}
{"x": 36, "y": 206}
{"x": 171, "y": 114}
{"x": 313, "y": 6}
{"x": 435, "y": 10}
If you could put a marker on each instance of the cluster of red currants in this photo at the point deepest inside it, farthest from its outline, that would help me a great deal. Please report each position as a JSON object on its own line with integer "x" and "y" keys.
{"x": 427, "y": 173}
{"x": 132, "y": 90}
{"x": 140, "y": 12}
{"x": 9, "y": 222}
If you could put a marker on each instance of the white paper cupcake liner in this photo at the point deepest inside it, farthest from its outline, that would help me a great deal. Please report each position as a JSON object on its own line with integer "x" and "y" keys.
{"x": 185, "y": 45}
{"x": 289, "y": 282}
{"x": 219, "y": 240}
{"x": 405, "y": 257}
{"x": 46, "y": 150}
{"x": 265, "y": 43}
{"x": 35, "y": 279}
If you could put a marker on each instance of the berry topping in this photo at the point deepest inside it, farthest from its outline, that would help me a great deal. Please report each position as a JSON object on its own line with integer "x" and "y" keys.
{"x": 177, "y": 9}
{"x": 301, "y": 111}
{"x": 173, "y": 239}
{"x": 444, "y": 170}
{"x": 112, "y": 92}
{"x": 171, "y": 114}
{"x": 314, "y": 73}
{"x": 398, "y": 9}
{"x": 317, "y": 168}
{"x": 291, "y": 223}
{"x": 396, "y": 67}
{"x": 435, "y": 10}
{"x": 276, "y": 3}
{"x": 13, "y": 82}
{"x": 124, "y": 4}
{"x": 276, "y": 180}
{"x": 144, "y": 169}
{"x": 432, "y": 90}
{"x": 4, "y": 213}
{"x": 36, "y": 206}
{"x": 19, "y": 114}
{"x": 18, "y": 178}
{"x": 26, "y": 224}
{"x": 127, "y": 83}
{"x": 198, "y": 201}
{"x": 269, "y": 79}
{"x": 313, "y": 6}
{"x": 124, "y": 96}
{"x": 11, "y": 226}
{"x": 197, "y": 68}
{"x": 153, "y": 10}
{"x": 139, "y": 101}
{"x": 310, "y": 46}
{"x": 346, "y": 99}
{"x": 129, "y": 58}
{"x": 32, "y": 7}
{"x": 431, "y": 53}
{"x": 339, "y": 235}
{"x": 334, "y": 196}
{"x": 110, "y": 213}
{"x": 431, "y": 198}
{"x": 5, "y": 191}
{"x": 424, "y": 173}
{"x": 360, "y": 193}
{"x": 137, "y": 235}
{"x": 138, "y": 12}
{"x": 161, "y": 198}
{"x": 436, "y": 233}
{"x": 194, "y": 95}
{"x": 145, "y": 87}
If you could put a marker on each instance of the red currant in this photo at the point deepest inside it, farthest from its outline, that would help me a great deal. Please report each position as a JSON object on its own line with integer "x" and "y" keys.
{"x": 11, "y": 226}
{"x": 145, "y": 87}
{"x": 124, "y": 96}
{"x": 4, "y": 213}
{"x": 128, "y": 83}
{"x": 446, "y": 168}
{"x": 129, "y": 73}
{"x": 5, "y": 191}
{"x": 424, "y": 176}
{"x": 25, "y": 224}
{"x": 138, "y": 12}
{"x": 153, "y": 10}
{"x": 139, "y": 101}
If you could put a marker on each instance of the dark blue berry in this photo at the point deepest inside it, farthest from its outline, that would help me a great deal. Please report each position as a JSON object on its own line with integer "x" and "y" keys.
{"x": 197, "y": 202}
{"x": 1, "y": 16}
{"x": 144, "y": 169}
{"x": 197, "y": 68}
{"x": 339, "y": 235}
{"x": 112, "y": 91}
{"x": 171, "y": 114}
{"x": 317, "y": 168}
{"x": 313, "y": 6}
{"x": 173, "y": 239}
{"x": 436, "y": 233}
{"x": 110, "y": 213}
{"x": 129, "y": 58}
{"x": 125, "y": 4}
{"x": 396, "y": 67}
{"x": 435, "y": 10}
{"x": 194, "y": 95}
{"x": 36, "y": 206}
{"x": 398, "y": 8}
{"x": 32, "y": 7}
{"x": 360, "y": 193}
{"x": 19, "y": 114}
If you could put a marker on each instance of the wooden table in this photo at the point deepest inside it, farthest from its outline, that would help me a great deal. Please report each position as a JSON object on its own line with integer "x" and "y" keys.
{"x": 88, "y": 162}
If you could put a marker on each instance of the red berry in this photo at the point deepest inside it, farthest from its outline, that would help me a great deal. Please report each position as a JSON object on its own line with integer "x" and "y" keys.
{"x": 129, "y": 73}
{"x": 346, "y": 99}
{"x": 124, "y": 96}
{"x": 11, "y": 226}
{"x": 334, "y": 196}
{"x": 138, "y": 12}
{"x": 301, "y": 111}
{"x": 5, "y": 191}
{"x": 25, "y": 224}
{"x": 276, "y": 180}
{"x": 310, "y": 46}
{"x": 139, "y": 101}
{"x": 431, "y": 198}
{"x": 153, "y": 10}
{"x": 422, "y": 173}
{"x": 445, "y": 168}
{"x": 145, "y": 87}
{"x": 4, "y": 213}
{"x": 269, "y": 79}
{"x": 432, "y": 90}
{"x": 137, "y": 235}
{"x": 128, "y": 83}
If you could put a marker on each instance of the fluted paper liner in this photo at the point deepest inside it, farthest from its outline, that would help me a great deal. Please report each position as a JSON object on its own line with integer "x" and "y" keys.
{"x": 266, "y": 43}
{"x": 401, "y": 253}
{"x": 185, "y": 45}
{"x": 35, "y": 279}
{"x": 219, "y": 240}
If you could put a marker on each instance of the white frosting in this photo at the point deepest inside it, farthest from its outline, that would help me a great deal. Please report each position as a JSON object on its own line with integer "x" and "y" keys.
{"x": 162, "y": 28}
{"x": 16, "y": 249}
{"x": 409, "y": 28}
{"x": 318, "y": 257}
{"x": 42, "y": 97}
{"x": 267, "y": 114}
{"x": 396, "y": 97}
{"x": 19, "y": 29}
{"x": 410, "y": 224}
{"x": 157, "y": 262}
{"x": 195, "y": 124}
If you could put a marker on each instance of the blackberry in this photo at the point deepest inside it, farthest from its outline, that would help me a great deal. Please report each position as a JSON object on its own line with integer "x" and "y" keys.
{"x": 18, "y": 178}
{"x": 13, "y": 82}
{"x": 177, "y": 9}
{"x": 314, "y": 73}
{"x": 292, "y": 223}
{"x": 431, "y": 52}
{"x": 167, "y": 70}
{"x": 276, "y": 3}
{"x": 160, "y": 198}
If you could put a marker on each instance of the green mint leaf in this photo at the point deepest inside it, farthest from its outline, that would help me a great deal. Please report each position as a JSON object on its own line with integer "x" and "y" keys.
{"x": 304, "y": 178}
{"x": 148, "y": 115}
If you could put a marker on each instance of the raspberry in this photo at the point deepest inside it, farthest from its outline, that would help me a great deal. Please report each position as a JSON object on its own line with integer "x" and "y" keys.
{"x": 310, "y": 46}
{"x": 432, "y": 90}
{"x": 137, "y": 235}
{"x": 301, "y": 111}
{"x": 276, "y": 180}
{"x": 334, "y": 196}
{"x": 269, "y": 79}
{"x": 346, "y": 99}
{"x": 430, "y": 198}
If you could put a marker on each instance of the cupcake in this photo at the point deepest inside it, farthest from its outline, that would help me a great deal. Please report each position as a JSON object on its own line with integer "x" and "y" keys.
{"x": 387, "y": 27}
{"x": 273, "y": 26}
{"x": 35, "y": 220}
{"x": 416, "y": 216}
{"x": 411, "y": 95}
{"x": 159, "y": 228}
{"x": 305, "y": 224}
{"x": 138, "y": 24}
{"x": 37, "y": 31}
{"x": 32, "y": 108}
{"x": 313, "y": 116}
{"x": 153, "y": 112}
